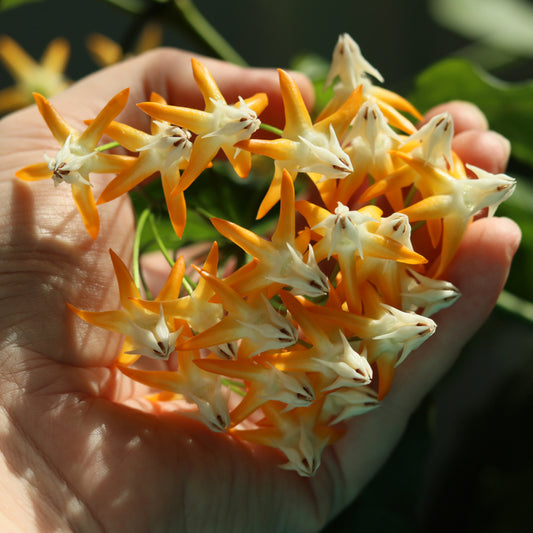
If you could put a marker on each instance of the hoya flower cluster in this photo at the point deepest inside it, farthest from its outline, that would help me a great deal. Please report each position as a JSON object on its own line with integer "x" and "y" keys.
{"x": 310, "y": 331}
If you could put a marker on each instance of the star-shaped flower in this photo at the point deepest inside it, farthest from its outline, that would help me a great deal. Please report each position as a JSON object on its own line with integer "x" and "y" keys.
{"x": 425, "y": 295}
{"x": 166, "y": 150}
{"x": 78, "y": 156}
{"x": 152, "y": 334}
{"x": 330, "y": 354}
{"x": 387, "y": 334}
{"x": 46, "y": 77}
{"x": 351, "y": 236}
{"x": 264, "y": 382}
{"x": 353, "y": 71}
{"x": 197, "y": 386}
{"x": 196, "y": 308}
{"x": 253, "y": 320}
{"x": 297, "y": 433}
{"x": 278, "y": 262}
{"x": 219, "y": 126}
{"x": 455, "y": 201}
{"x": 304, "y": 146}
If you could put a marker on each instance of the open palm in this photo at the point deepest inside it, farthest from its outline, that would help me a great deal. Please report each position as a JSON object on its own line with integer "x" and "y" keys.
{"x": 80, "y": 450}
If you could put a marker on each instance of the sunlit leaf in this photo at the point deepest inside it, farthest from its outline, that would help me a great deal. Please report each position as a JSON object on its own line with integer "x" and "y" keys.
{"x": 503, "y": 24}
{"x": 508, "y": 106}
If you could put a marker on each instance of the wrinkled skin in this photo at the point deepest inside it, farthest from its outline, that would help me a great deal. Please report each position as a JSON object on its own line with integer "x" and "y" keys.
{"x": 78, "y": 451}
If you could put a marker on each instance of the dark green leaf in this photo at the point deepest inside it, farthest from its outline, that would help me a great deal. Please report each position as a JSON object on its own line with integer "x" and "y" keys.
{"x": 10, "y": 4}
{"x": 519, "y": 207}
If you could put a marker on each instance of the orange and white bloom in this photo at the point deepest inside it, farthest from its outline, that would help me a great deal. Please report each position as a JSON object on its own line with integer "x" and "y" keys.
{"x": 78, "y": 157}
{"x": 219, "y": 127}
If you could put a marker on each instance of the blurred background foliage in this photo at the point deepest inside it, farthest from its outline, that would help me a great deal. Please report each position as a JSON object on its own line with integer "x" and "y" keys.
{"x": 465, "y": 462}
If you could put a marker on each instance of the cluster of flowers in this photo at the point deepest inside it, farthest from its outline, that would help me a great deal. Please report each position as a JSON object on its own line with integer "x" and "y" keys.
{"x": 310, "y": 331}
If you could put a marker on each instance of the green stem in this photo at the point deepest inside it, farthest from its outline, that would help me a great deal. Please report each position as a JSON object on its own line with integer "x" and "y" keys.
{"x": 235, "y": 386}
{"x": 187, "y": 283}
{"x": 141, "y": 222}
{"x": 112, "y": 144}
{"x": 271, "y": 129}
{"x": 410, "y": 196}
{"x": 209, "y": 35}
{"x": 159, "y": 240}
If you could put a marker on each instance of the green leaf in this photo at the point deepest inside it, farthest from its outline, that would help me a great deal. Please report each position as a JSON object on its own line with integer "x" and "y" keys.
{"x": 135, "y": 7}
{"x": 505, "y": 25}
{"x": 508, "y": 107}
{"x": 10, "y": 4}
{"x": 519, "y": 207}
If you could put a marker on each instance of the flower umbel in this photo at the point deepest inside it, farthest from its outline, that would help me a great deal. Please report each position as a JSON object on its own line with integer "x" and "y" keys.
{"x": 295, "y": 323}
{"x": 78, "y": 155}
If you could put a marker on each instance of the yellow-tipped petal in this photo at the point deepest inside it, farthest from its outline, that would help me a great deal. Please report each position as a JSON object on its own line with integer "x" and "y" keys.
{"x": 158, "y": 379}
{"x": 244, "y": 369}
{"x": 313, "y": 213}
{"x": 206, "y": 84}
{"x": 453, "y": 229}
{"x": 240, "y": 160}
{"x": 296, "y": 114}
{"x": 191, "y": 119}
{"x": 285, "y": 230}
{"x": 341, "y": 119}
{"x": 264, "y": 435}
{"x": 258, "y": 102}
{"x": 398, "y": 179}
{"x": 226, "y": 330}
{"x": 92, "y": 135}
{"x": 126, "y": 285}
{"x": 396, "y": 119}
{"x": 35, "y": 172}
{"x": 396, "y": 101}
{"x": 84, "y": 199}
{"x": 125, "y": 358}
{"x": 106, "y": 163}
{"x": 171, "y": 288}
{"x": 246, "y": 239}
{"x": 434, "y": 227}
{"x": 386, "y": 370}
{"x": 59, "y": 128}
{"x": 176, "y": 204}
{"x": 203, "y": 151}
{"x": 233, "y": 302}
{"x": 131, "y": 138}
{"x": 427, "y": 208}
{"x": 277, "y": 149}
{"x": 347, "y": 265}
{"x": 126, "y": 180}
{"x": 273, "y": 194}
{"x": 250, "y": 403}
{"x": 110, "y": 320}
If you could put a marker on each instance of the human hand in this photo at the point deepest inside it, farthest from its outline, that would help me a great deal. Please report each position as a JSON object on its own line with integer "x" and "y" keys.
{"x": 80, "y": 451}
